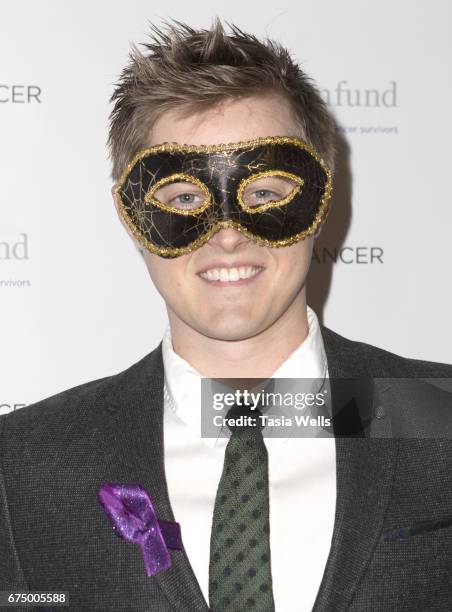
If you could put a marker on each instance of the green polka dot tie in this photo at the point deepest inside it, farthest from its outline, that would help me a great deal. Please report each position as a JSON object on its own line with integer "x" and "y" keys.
{"x": 240, "y": 571}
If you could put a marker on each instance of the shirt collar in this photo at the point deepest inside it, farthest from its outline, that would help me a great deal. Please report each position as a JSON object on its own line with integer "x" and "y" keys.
{"x": 182, "y": 388}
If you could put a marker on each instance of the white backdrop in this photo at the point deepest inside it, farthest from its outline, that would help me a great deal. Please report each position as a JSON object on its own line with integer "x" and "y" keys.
{"x": 76, "y": 302}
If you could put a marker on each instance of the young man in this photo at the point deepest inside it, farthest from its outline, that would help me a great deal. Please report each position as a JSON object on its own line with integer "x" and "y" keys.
{"x": 225, "y": 217}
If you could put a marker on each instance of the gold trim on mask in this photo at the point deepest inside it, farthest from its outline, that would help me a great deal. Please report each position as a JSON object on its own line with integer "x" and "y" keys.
{"x": 230, "y": 146}
{"x": 174, "y": 178}
{"x": 253, "y": 177}
{"x": 177, "y": 251}
{"x": 251, "y": 144}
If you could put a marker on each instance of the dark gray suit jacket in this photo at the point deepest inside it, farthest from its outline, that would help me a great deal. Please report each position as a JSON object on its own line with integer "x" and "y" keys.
{"x": 56, "y": 453}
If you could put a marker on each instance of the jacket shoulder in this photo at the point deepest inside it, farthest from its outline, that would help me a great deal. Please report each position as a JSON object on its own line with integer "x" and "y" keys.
{"x": 368, "y": 360}
{"x": 72, "y": 410}
{"x": 56, "y": 407}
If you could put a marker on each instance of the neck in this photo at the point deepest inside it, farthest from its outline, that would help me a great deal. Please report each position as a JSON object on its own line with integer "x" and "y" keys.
{"x": 255, "y": 357}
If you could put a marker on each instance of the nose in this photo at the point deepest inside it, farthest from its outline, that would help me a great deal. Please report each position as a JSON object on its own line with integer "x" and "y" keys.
{"x": 228, "y": 239}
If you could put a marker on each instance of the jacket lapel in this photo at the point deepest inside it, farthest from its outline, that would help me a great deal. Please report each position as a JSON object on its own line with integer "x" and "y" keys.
{"x": 364, "y": 474}
{"x": 133, "y": 443}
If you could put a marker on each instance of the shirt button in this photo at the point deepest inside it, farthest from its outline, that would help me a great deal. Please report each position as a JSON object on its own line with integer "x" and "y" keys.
{"x": 380, "y": 412}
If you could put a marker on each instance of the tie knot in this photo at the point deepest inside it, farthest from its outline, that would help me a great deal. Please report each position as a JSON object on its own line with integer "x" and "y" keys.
{"x": 241, "y": 417}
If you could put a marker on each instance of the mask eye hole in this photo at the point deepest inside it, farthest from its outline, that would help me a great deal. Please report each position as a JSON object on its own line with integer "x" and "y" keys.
{"x": 268, "y": 189}
{"x": 179, "y": 193}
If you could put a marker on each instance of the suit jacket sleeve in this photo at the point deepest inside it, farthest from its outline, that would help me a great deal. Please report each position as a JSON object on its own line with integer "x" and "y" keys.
{"x": 11, "y": 574}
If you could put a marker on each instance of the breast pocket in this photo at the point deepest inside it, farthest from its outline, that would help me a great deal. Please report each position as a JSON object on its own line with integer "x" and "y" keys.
{"x": 416, "y": 529}
{"x": 410, "y": 570}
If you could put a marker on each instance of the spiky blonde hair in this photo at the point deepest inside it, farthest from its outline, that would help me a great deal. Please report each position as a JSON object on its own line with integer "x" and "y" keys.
{"x": 196, "y": 69}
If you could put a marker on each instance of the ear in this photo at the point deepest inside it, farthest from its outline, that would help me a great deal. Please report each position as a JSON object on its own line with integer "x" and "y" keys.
{"x": 116, "y": 201}
{"x": 124, "y": 224}
{"x": 117, "y": 206}
{"x": 319, "y": 229}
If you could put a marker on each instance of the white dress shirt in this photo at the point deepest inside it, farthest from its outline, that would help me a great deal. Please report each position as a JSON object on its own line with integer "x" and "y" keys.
{"x": 302, "y": 479}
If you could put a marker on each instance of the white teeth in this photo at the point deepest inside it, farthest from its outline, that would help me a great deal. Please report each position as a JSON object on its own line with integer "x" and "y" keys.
{"x": 230, "y": 274}
{"x": 224, "y": 274}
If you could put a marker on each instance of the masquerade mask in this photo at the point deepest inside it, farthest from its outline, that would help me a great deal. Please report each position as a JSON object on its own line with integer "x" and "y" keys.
{"x": 276, "y": 190}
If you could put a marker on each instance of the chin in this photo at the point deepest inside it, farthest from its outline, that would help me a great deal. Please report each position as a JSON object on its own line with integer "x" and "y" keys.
{"x": 231, "y": 329}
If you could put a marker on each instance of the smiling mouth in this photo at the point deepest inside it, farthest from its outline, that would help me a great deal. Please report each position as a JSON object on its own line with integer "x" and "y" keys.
{"x": 231, "y": 275}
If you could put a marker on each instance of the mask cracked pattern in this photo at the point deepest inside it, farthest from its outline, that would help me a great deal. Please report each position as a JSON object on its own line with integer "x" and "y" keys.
{"x": 221, "y": 169}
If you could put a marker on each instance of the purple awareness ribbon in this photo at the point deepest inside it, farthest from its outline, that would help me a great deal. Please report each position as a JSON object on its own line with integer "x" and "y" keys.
{"x": 130, "y": 510}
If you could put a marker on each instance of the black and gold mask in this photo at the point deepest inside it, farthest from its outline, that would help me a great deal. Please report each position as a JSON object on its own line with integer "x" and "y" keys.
{"x": 276, "y": 190}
